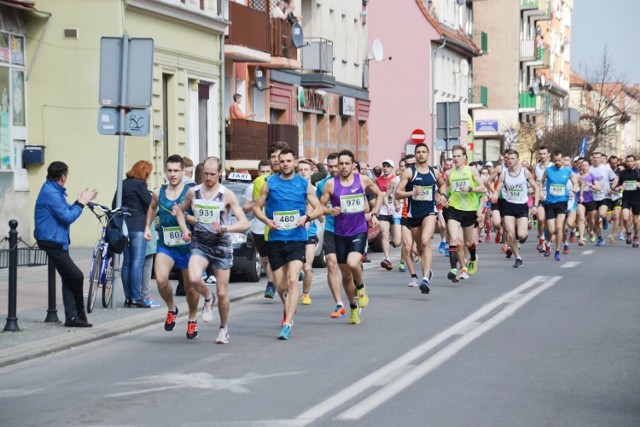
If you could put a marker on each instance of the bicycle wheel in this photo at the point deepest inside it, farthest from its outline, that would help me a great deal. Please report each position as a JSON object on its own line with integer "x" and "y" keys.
{"x": 107, "y": 285}
{"x": 94, "y": 280}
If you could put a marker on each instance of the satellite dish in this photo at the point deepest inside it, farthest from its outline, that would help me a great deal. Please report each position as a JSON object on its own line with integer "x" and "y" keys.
{"x": 464, "y": 67}
{"x": 543, "y": 81}
{"x": 261, "y": 79}
{"x": 297, "y": 37}
{"x": 378, "y": 51}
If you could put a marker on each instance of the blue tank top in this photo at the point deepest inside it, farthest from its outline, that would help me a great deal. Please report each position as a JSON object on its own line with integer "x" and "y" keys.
{"x": 422, "y": 205}
{"x": 328, "y": 219}
{"x": 168, "y": 222}
{"x": 352, "y": 202}
{"x": 286, "y": 203}
{"x": 556, "y": 184}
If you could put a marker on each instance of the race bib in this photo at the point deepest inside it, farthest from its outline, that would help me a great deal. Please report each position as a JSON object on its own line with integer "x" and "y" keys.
{"x": 286, "y": 220}
{"x": 172, "y": 236}
{"x": 207, "y": 213}
{"x": 629, "y": 186}
{"x": 514, "y": 194}
{"x": 598, "y": 193}
{"x": 352, "y": 203}
{"x": 426, "y": 196}
{"x": 459, "y": 183}
{"x": 557, "y": 189}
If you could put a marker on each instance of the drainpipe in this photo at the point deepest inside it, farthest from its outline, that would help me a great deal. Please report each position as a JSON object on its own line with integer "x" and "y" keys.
{"x": 433, "y": 98}
{"x": 44, "y": 33}
{"x": 223, "y": 129}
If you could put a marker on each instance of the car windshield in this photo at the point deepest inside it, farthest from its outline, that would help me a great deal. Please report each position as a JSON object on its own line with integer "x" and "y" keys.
{"x": 239, "y": 189}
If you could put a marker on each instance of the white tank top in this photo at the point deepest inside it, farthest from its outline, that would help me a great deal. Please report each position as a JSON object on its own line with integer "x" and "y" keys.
{"x": 516, "y": 190}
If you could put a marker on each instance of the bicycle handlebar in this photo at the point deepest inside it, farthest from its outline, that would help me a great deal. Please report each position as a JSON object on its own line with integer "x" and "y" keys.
{"x": 123, "y": 210}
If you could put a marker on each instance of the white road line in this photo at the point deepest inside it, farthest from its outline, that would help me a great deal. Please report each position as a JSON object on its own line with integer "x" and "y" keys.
{"x": 570, "y": 264}
{"x": 589, "y": 252}
{"x": 400, "y": 363}
{"x": 381, "y": 396}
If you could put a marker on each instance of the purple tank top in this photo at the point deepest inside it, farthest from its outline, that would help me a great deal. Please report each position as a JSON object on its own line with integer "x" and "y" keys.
{"x": 352, "y": 201}
{"x": 587, "y": 194}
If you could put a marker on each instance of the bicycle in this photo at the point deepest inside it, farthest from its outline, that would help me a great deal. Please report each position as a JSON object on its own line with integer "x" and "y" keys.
{"x": 101, "y": 273}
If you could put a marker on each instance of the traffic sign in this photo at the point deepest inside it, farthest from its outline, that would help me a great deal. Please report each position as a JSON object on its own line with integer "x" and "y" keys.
{"x": 136, "y": 121}
{"x": 418, "y": 136}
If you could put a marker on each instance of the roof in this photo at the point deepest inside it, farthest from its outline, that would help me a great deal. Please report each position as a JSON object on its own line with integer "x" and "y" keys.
{"x": 456, "y": 36}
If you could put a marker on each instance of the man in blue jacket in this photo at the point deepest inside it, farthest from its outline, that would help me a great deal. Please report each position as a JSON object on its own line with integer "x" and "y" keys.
{"x": 53, "y": 219}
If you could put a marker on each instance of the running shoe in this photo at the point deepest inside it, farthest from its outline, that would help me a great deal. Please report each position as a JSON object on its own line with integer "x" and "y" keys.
{"x": 540, "y": 246}
{"x": 339, "y": 312}
{"x": 270, "y": 290}
{"x": 416, "y": 259}
{"x": 498, "y": 237}
{"x": 354, "y": 318}
{"x": 285, "y": 333}
{"x": 413, "y": 283}
{"x": 592, "y": 236}
{"x": 605, "y": 224}
{"x": 453, "y": 275}
{"x": 424, "y": 286}
{"x": 170, "y": 323}
{"x": 306, "y": 299}
{"x": 518, "y": 263}
{"x": 621, "y": 236}
{"x": 446, "y": 250}
{"x": 547, "y": 250}
{"x": 581, "y": 242}
{"x": 192, "y": 329}
{"x": 504, "y": 249}
{"x": 557, "y": 256}
{"x": 464, "y": 274}
{"x": 600, "y": 241}
{"x": 612, "y": 239}
{"x": 385, "y": 263}
{"x": 473, "y": 266}
{"x": 635, "y": 242}
{"x": 151, "y": 303}
{"x": 509, "y": 252}
{"x": 207, "y": 310}
{"x": 443, "y": 244}
{"x": 223, "y": 336}
{"x": 565, "y": 249}
{"x": 402, "y": 267}
{"x": 628, "y": 239}
{"x": 363, "y": 298}
{"x": 572, "y": 236}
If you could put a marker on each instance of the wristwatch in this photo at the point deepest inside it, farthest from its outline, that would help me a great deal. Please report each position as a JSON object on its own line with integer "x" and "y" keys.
{"x": 223, "y": 228}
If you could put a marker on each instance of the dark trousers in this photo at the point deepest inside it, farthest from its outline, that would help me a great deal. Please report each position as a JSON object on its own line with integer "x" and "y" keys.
{"x": 72, "y": 278}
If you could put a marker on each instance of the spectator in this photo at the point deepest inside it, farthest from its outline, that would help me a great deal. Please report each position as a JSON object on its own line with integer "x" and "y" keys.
{"x": 279, "y": 10}
{"x": 235, "y": 112}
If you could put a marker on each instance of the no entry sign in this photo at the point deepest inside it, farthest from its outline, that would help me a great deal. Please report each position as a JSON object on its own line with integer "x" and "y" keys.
{"x": 418, "y": 136}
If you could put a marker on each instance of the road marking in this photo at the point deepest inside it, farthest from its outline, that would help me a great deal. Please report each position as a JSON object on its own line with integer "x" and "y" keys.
{"x": 570, "y": 264}
{"x": 348, "y": 393}
{"x": 408, "y": 378}
{"x": 589, "y": 252}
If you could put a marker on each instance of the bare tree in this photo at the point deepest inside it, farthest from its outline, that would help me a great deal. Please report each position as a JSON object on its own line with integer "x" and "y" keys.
{"x": 565, "y": 138}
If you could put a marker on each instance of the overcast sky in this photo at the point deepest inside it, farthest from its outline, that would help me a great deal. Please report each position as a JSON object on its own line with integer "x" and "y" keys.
{"x": 612, "y": 23}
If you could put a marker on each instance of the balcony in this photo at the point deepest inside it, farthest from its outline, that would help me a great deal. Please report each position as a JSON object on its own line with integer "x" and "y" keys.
{"x": 249, "y": 140}
{"x": 317, "y": 64}
{"x": 284, "y": 54}
{"x": 533, "y": 104}
{"x": 537, "y": 10}
{"x": 478, "y": 96}
{"x": 528, "y": 50}
{"x": 248, "y": 39}
{"x": 541, "y": 58}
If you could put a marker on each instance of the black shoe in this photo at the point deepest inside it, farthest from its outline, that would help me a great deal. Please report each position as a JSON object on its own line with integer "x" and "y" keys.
{"x": 518, "y": 263}
{"x": 128, "y": 303}
{"x": 77, "y": 323}
{"x": 140, "y": 304}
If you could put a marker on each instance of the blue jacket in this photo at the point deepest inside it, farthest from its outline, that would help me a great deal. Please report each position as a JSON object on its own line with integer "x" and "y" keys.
{"x": 53, "y": 215}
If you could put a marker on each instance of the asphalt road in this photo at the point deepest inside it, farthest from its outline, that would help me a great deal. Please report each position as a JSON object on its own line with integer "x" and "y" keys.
{"x": 552, "y": 343}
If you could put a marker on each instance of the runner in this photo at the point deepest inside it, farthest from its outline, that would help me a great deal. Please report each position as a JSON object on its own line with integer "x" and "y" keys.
{"x": 386, "y": 212}
{"x": 556, "y": 179}
{"x": 172, "y": 250}
{"x": 572, "y": 210}
{"x": 602, "y": 197}
{"x": 346, "y": 194}
{"x": 460, "y": 187}
{"x": 211, "y": 243}
{"x": 629, "y": 183}
{"x": 587, "y": 209}
{"x": 398, "y": 205}
{"x": 515, "y": 211}
{"x": 329, "y": 243}
{"x": 419, "y": 186}
{"x": 543, "y": 163}
{"x": 304, "y": 170}
{"x": 284, "y": 198}
{"x": 408, "y": 244}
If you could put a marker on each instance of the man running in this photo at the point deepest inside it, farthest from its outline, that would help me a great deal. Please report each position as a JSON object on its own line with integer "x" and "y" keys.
{"x": 211, "y": 243}
{"x": 386, "y": 212}
{"x": 304, "y": 169}
{"x": 347, "y": 196}
{"x": 515, "y": 211}
{"x": 419, "y": 184}
{"x": 284, "y": 198}
{"x": 543, "y": 163}
{"x": 172, "y": 250}
{"x": 605, "y": 175}
{"x": 460, "y": 187}
{"x": 629, "y": 182}
{"x": 556, "y": 179}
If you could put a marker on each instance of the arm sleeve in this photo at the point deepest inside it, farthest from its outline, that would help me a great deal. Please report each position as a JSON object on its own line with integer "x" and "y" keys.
{"x": 62, "y": 211}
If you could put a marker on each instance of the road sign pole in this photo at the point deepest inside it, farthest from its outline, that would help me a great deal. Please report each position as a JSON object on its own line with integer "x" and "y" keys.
{"x": 121, "y": 130}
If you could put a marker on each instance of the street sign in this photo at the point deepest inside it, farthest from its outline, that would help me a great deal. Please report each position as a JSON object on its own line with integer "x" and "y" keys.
{"x": 136, "y": 121}
{"x": 139, "y": 74}
{"x": 418, "y": 136}
{"x": 441, "y": 144}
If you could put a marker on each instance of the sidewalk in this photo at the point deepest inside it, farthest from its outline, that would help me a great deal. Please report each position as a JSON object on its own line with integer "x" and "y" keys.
{"x": 37, "y": 338}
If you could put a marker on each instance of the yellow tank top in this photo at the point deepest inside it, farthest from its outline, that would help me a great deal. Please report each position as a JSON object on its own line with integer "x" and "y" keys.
{"x": 462, "y": 200}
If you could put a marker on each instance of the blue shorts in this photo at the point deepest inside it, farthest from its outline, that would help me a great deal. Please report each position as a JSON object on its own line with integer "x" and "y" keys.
{"x": 180, "y": 261}
{"x": 347, "y": 244}
{"x": 216, "y": 264}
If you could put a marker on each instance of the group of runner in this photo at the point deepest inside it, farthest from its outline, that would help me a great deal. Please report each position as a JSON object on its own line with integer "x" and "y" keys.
{"x": 195, "y": 222}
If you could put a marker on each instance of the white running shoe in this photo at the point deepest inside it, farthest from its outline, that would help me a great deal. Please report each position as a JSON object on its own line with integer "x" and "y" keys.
{"x": 223, "y": 336}
{"x": 413, "y": 283}
{"x": 207, "y": 310}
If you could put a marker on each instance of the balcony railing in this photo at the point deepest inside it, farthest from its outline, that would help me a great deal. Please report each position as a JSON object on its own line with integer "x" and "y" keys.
{"x": 281, "y": 43}
{"x": 478, "y": 95}
{"x": 249, "y": 27}
{"x": 249, "y": 140}
{"x": 527, "y": 100}
{"x": 527, "y": 49}
{"x": 529, "y": 4}
{"x": 538, "y": 104}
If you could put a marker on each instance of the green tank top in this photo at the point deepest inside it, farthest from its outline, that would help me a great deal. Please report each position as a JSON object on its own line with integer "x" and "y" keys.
{"x": 462, "y": 201}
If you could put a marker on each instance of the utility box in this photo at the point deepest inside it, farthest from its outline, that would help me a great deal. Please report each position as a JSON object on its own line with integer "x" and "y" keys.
{"x": 33, "y": 154}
